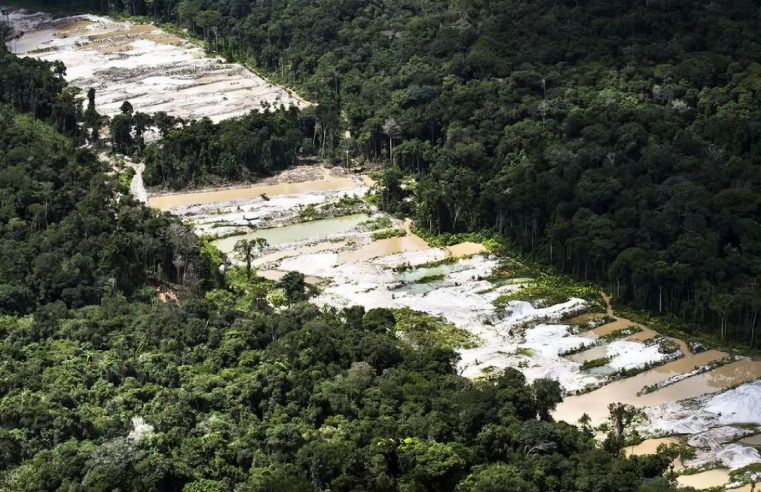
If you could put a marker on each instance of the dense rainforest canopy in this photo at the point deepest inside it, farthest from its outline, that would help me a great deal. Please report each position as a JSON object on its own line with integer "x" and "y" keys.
{"x": 202, "y": 153}
{"x": 617, "y": 140}
{"x": 106, "y": 387}
{"x": 69, "y": 231}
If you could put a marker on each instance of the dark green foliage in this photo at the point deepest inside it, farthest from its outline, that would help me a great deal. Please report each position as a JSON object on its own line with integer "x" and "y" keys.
{"x": 617, "y": 141}
{"x": 68, "y": 231}
{"x": 238, "y": 406}
{"x": 294, "y": 286}
{"x": 36, "y": 87}
{"x": 202, "y": 152}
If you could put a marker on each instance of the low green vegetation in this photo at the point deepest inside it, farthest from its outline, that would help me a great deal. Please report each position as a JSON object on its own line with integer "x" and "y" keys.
{"x": 428, "y": 279}
{"x": 594, "y": 363}
{"x": 547, "y": 290}
{"x": 441, "y": 240}
{"x": 524, "y": 351}
{"x": 424, "y": 330}
{"x": 346, "y": 205}
{"x": 666, "y": 345}
{"x": 749, "y": 474}
{"x": 511, "y": 268}
{"x": 388, "y": 234}
{"x": 621, "y": 333}
{"x": 125, "y": 177}
{"x": 377, "y": 223}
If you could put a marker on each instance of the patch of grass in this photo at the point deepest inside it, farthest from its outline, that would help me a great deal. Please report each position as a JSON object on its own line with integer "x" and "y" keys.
{"x": 548, "y": 290}
{"x": 422, "y": 329}
{"x": 444, "y": 261}
{"x": 309, "y": 213}
{"x": 591, "y": 364}
{"x": 430, "y": 279}
{"x": 594, "y": 320}
{"x": 488, "y": 239}
{"x": 346, "y": 205}
{"x": 622, "y": 333}
{"x": 373, "y": 199}
{"x": 125, "y": 177}
{"x": 525, "y": 351}
{"x": 509, "y": 269}
{"x": 665, "y": 345}
{"x": 431, "y": 264}
{"x": 377, "y": 224}
{"x": 388, "y": 233}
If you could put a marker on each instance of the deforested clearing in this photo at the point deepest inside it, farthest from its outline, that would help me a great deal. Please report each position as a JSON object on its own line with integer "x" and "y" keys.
{"x": 154, "y": 70}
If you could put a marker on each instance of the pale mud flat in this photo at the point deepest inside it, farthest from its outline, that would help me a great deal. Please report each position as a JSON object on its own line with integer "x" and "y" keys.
{"x": 154, "y": 70}
{"x": 273, "y": 202}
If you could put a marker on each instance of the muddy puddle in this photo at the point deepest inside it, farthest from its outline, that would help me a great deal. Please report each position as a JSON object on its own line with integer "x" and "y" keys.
{"x": 724, "y": 377}
{"x": 466, "y": 249}
{"x": 595, "y": 403}
{"x": 704, "y": 480}
{"x": 594, "y": 353}
{"x": 754, "y": 440}
{"x": 649, "y": 446}
{"x": 384, "y": 247}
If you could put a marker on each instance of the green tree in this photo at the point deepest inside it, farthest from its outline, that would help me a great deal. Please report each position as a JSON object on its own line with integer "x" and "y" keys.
{"x": 547, "y": 394}
{"x": 294, "y": 286}
{"x": 244, "y": 249}
{"x": 498, "y": 477}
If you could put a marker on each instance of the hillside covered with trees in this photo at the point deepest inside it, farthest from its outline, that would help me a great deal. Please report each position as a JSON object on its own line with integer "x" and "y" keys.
{"x": 106, "y": 387}
{"x": 617, "y": 141}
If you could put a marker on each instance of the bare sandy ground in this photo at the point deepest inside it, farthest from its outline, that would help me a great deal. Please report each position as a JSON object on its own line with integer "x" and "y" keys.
{"x": 154, "y": 70}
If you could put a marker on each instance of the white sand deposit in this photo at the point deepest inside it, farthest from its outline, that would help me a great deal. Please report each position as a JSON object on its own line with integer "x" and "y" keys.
{"x": 154, "y": 70}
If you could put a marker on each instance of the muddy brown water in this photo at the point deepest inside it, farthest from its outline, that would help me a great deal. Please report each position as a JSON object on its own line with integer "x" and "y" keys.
{"x": 168, "y": 202}
{"x": 591, "y": 354}
{"x": 649, "y": 446}
{"x": 465, "y": 249}
{"x": 705, "y": 480}
{"x": 754, "y": 440}
{"x": 595, "y": 403}
{"x": 384, "y": 247}
{"x": 721, "y": 378}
